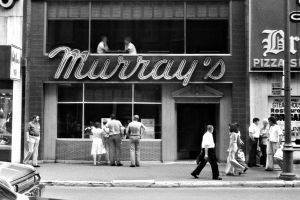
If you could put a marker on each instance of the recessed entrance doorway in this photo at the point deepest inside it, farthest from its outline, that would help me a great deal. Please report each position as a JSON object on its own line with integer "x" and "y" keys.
{"x": 192, "y": 119}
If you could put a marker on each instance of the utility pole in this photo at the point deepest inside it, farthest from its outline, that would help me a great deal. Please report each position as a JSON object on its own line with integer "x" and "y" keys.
{"x": 287, "y": 171}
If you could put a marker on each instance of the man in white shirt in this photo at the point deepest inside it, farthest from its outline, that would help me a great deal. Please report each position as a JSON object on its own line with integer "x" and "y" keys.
{"x": 102, "y": 46}
{"x": 135, "y": 130}
{"x": 129, "y": 47}
{"x": 254, "y": 132}
{"x": 275, "y": 134}
{"x": 115, "y": 139}
{"x": 208, "y": 154}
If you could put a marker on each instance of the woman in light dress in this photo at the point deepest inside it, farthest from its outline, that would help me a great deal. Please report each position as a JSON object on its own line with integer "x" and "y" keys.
{"x": 98, "y": 148}
{"x": 233, "y": 167}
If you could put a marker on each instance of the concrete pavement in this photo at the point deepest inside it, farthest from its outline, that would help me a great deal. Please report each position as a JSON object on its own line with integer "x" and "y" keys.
{"x": 79, "y": 193}
{"x": 156, "y": 175}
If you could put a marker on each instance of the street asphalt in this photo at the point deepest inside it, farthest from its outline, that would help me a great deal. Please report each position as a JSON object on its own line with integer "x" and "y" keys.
{"x": 90, "y": 193}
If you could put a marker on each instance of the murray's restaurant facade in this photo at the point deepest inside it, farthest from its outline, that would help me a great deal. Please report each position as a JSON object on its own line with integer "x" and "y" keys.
{"x": 189, "y": 71}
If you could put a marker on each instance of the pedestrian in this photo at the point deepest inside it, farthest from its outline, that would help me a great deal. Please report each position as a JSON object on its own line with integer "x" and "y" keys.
{"x": 274, "y": 142}
{"x": 134, "y": 131}
{"x": 97, "y": 144}
{"x": 263, "y": 140}
{"x": 105, "y": 140}
{"x": 33, "y": 139}
{"x": 115, "y": 139}
{"x": 233, "y": 167}
{"x": 103, "y": 46}
{"x": 240, "y": 155}
{"x": 254, "y": 132}
{"x": 129, "y": 46}
{"x": 208, "y": 154}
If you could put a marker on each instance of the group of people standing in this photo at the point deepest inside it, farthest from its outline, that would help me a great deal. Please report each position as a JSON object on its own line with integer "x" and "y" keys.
{"x": 106, "y": 140}
{"x": 265, "y": 146}
{"x": 265, "y": 142}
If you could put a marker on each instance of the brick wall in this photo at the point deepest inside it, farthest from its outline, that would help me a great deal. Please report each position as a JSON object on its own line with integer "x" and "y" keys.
{"x": 41, "y": 69}
{"x": 81, "y": 150}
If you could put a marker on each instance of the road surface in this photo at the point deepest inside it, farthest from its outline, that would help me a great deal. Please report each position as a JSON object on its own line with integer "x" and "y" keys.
{"x": 92, "y": 193}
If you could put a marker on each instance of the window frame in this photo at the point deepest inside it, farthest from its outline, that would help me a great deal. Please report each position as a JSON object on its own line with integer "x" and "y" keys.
{"x": 83, "y": 102}
{"x": 229, "y": 39}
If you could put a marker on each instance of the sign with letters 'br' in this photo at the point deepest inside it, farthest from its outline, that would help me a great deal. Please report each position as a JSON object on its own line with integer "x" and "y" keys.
{"x": 266, "y": 36}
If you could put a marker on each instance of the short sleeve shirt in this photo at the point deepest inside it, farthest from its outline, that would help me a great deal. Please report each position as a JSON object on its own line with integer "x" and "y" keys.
{"x": 135, "y": 128}
{"x": 101, "y": 47}
{"x": 131, "y": 48}
{"x": 114, "y": 127}
{"x": 208, "y": 140}
{"x": 274, "y": 133}
{"x": 255, "y": 130}
{"x": 34, "y": 129}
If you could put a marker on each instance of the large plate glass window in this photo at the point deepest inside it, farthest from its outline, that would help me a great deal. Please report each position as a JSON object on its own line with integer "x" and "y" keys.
{"x": 155, "y": 27}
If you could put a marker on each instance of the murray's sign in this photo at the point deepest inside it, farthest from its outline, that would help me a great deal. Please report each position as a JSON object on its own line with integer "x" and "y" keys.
{"x": 7, "y": 3}
{"x": 82, "y": 65}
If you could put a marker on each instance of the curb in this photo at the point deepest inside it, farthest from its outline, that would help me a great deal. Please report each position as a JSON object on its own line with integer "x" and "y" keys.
{"x": 174, "y": 184}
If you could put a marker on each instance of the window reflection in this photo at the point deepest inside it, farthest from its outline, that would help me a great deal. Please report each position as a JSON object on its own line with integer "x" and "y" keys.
{"x": 5, "y": 117}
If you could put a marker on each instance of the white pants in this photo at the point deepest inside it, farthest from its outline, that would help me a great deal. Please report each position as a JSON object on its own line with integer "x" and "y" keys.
{"x": 33, "y": 149}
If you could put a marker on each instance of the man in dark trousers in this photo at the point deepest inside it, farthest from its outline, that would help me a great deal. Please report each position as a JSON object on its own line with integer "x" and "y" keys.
{"x": 254, "y": 133}
{"x": 208, "y": 154}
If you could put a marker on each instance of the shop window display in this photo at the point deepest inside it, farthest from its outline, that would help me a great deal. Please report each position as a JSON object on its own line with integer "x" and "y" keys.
{"x": 5, "y": 117}
{"x": 101, "y": 100}
{"x": 70, "y": 93}
{"x": 69, "y": 121}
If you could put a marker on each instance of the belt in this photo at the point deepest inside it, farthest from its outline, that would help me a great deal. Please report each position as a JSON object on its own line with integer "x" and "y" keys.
{"x": 34, "y": 135}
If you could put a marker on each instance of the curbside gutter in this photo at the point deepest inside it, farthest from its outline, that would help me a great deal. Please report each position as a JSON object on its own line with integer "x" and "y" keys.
{"x": 174, "y": 184}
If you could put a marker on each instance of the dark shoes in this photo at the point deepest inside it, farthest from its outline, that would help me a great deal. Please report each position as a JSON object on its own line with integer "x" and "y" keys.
{"x": 119, "y": 164}
{"x": 132, "y": 166}
{"x": 35, "y": 165}
{"x": 194, "y": 175}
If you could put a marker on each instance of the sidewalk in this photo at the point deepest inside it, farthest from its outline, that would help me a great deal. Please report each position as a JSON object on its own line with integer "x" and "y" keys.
{"x": 155, "y": 175}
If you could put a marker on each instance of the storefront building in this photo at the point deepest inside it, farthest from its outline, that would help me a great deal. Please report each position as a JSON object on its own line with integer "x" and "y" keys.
{"x": 11, "y": 16}
{"x": 266, "y": 62}
{"x": 190, "y": 71}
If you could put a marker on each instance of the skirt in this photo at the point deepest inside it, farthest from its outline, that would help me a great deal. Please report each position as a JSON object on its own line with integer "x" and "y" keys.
{"x": 97, "y": 147}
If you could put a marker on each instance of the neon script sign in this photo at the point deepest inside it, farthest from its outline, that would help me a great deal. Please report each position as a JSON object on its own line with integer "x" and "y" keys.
{"x": 75, "y": 61}
{"x": 7, "y": 3}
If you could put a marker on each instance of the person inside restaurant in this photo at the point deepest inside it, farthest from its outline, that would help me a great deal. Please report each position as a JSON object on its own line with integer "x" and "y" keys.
{"x": 102, "y": 46}
{"x": 129, "y": 47}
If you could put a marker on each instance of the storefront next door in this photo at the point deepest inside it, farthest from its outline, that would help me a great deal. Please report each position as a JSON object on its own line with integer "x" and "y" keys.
{"x": 192, "y": 119}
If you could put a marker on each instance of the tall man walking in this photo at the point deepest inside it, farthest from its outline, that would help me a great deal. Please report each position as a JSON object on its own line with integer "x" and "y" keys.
{"x": 115, "y": 139}
{"x": 254, "y": 133}
{"x": 33, "y": 140}
{"x": 135, "y": 130}
{"x": 208, "y": 154}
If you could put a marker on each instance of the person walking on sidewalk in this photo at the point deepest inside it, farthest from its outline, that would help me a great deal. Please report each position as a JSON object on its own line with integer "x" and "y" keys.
{"x": 264, "y": 134}
{"x": 208, "y": 154}
{"x": 134, "y": 131}
{"x": 254, "y": 132}
{"x": 33, "y": 140}
{"x": 115, "y": 140}
{"x": 274, "y": 142}
{"x": 232, "y": 165}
